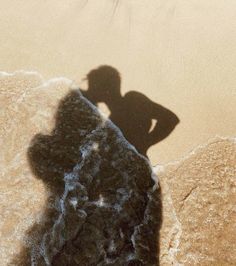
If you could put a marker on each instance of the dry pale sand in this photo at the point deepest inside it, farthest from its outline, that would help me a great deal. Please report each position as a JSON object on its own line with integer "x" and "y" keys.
{"x": 180, "y": 54}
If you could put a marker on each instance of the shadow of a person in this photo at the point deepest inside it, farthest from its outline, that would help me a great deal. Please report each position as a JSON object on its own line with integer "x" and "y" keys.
{"x": 133, "y": 113}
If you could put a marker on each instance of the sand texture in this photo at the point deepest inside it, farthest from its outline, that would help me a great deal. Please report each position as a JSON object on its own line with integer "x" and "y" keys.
{"x": 163, "y": 71}
{"x": 199, "y": 207}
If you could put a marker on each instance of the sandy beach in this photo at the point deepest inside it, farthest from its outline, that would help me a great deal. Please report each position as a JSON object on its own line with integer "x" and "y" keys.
{"x": 181, "y": 55}
{"x": 164, "y": 73}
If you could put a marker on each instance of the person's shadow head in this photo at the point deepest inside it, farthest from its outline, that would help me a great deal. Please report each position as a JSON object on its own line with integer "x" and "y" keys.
{"x": 142, "y": 121}
{"x": 104, "y": 84}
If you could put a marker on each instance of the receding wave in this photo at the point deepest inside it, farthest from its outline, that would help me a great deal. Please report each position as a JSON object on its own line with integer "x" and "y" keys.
{"x": 74, "y": 192}
{"x": 103, "y": 206}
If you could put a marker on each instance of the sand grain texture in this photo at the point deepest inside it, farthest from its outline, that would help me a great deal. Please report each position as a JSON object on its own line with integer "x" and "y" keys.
{"x": 199, "y": 207}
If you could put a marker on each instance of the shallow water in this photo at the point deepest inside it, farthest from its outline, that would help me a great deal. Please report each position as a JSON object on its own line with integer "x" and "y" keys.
{"x": 74, "y": 191}
{"x": 99, "y": 199}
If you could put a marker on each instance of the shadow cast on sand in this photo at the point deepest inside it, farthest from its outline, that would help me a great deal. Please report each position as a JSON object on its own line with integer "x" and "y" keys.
{"x": 101, "y": 207}
{"x": 133, "y": 113}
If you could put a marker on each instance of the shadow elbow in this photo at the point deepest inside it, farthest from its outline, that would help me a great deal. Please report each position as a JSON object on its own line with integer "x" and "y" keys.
{"x": 175, "y": 121}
